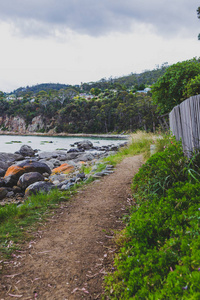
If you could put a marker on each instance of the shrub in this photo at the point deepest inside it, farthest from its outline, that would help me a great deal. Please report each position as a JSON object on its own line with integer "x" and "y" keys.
{"x": 160, "y": 257}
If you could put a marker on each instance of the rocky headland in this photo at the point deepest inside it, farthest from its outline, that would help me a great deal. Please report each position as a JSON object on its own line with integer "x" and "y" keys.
{"x": 29, "y": 171}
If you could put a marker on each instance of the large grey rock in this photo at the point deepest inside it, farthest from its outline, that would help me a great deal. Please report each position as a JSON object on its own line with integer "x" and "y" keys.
{"x": 10, "y": 157}
{"x": 37, "y": 187}
{"x": 55, "y": 162}
{"x": 26, "y": 150}
{"x": 85, "y": 144}
{"x": 48, "y": 163}
{"x": 28, "y": 178}
{"x": 30, "y": 165}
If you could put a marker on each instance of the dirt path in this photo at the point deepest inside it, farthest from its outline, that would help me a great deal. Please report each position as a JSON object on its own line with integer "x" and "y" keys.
{"x": 72, "y": 252}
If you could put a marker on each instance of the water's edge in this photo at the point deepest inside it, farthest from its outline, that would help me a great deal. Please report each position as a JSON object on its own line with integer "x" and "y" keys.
{"x": 63, "y": 134}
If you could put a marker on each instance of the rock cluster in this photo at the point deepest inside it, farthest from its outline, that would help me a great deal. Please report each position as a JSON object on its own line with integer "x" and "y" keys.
{"x": 27, "y": 171}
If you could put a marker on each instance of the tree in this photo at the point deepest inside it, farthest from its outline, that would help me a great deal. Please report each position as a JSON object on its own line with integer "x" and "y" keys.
{"x": 192, "y": 88}
{"x": 169, "y": 89}
{"x": 95, "y": 91}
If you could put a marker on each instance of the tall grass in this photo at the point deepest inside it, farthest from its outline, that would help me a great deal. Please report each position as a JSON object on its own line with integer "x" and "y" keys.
{"x": 138, "y": 143}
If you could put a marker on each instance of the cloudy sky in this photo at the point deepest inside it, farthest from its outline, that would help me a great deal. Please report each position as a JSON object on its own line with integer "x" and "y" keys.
{"x": 74, "y": 41}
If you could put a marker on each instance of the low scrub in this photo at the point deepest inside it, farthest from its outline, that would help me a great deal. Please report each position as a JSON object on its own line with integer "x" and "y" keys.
{"x": 160, "y": 254}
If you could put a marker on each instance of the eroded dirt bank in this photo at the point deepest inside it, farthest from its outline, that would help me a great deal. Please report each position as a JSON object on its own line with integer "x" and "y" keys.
{"x": 71, "y": 253}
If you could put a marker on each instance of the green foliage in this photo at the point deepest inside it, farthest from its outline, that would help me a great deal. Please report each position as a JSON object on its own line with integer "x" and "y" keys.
{"x": 192, "y": 87}
{"x": 160, "y": 257}
{"x": 168, "y": 91}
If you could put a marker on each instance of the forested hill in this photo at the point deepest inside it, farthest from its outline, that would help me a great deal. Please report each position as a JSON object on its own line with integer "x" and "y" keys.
{"x": 114, "y": 105}
{"x": 39, "y": 87}
{"x": 148, "y": 77}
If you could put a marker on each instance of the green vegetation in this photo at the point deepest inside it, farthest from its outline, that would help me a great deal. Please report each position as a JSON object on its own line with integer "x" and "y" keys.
{"x": 105, "y": 106}
{"x": 160, "y": 248}
{"x": 169, "y": 90}
{"x": 110, "y": 112}
{"x": 17, "y": 222}
{"x": 139, "y": 143}
{"x": 192, "y": 87}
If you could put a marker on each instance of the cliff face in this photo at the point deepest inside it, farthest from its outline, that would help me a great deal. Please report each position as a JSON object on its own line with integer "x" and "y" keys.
{"x": 18, "y": 124}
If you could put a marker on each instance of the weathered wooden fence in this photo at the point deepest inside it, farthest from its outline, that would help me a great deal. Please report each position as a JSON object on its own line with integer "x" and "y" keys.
{"x": 184, "y": 122}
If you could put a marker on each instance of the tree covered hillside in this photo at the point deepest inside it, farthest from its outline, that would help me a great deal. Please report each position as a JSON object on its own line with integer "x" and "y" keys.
{"x": 113, "y": 105}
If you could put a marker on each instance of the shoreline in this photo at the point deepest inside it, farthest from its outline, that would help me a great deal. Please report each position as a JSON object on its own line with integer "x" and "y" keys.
{"x": 63, "y": 134}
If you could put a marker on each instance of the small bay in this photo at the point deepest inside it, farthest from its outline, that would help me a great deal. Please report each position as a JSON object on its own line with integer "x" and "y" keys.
{"x": 12, "y": 143}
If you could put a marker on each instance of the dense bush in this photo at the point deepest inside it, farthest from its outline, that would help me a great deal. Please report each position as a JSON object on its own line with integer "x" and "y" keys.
{"x": 160, "y": 257}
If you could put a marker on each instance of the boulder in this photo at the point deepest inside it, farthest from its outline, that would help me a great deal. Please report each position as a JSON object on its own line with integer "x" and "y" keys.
{"x": 34, "y": 166}
{"x": 37, "y": 187}
{"x": 85, "y": 144}
{"x": 12, "y": 175}
{"x": 3, "y": 193}
{"x": 28, "y": 178}
{"x": 10, "y": 157}
{"x": 15, "y": 171}
{"x": 48, "y": 163}
{"x": 55, "y": 162}
{"x": 64, "y": 168}
{"x": 26, "y": 150}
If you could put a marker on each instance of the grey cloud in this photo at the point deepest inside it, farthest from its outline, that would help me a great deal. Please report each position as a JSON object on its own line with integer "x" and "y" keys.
{"x": 99, "y": 17}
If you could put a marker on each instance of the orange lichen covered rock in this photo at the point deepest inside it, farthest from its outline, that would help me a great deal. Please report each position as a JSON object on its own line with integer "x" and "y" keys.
{"x": 64, "y": 168}
{"x": 14, "y": 170}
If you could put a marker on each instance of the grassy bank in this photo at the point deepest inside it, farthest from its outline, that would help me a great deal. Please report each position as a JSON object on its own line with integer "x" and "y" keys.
{"x": 159, "y": 256}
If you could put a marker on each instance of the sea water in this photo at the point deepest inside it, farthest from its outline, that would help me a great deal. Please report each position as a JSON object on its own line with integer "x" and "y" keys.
{"x": 12, "y": 143}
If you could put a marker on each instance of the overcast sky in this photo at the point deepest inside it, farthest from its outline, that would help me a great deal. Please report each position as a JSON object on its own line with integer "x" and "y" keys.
{"x": 74, "y": 41}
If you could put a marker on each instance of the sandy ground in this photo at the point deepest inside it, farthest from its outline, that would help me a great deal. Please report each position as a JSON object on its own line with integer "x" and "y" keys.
{"x": 72, "y": 252}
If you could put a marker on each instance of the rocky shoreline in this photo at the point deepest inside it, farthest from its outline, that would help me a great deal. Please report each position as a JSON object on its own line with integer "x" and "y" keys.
{"x": 63, "y": 134}
{"x": 27, "y": 171}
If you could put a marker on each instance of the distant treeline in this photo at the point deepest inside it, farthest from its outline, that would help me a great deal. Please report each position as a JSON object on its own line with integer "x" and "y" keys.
{"x": 148, "y": 77}
{"x": 116, "y": 112}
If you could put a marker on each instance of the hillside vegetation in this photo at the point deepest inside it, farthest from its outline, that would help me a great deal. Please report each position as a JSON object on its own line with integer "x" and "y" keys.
{"x": 112, "y": 105}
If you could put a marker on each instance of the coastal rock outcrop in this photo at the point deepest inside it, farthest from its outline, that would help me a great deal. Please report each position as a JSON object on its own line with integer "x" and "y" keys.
{"x": 27, "y": 172}
{"x": 15, "y": 171}
{"x": 18, "y": 124}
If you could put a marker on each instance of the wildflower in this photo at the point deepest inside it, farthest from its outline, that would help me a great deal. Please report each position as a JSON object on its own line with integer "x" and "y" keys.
{"x": 198, "y": 269}
{"x": 185, "y": 287}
